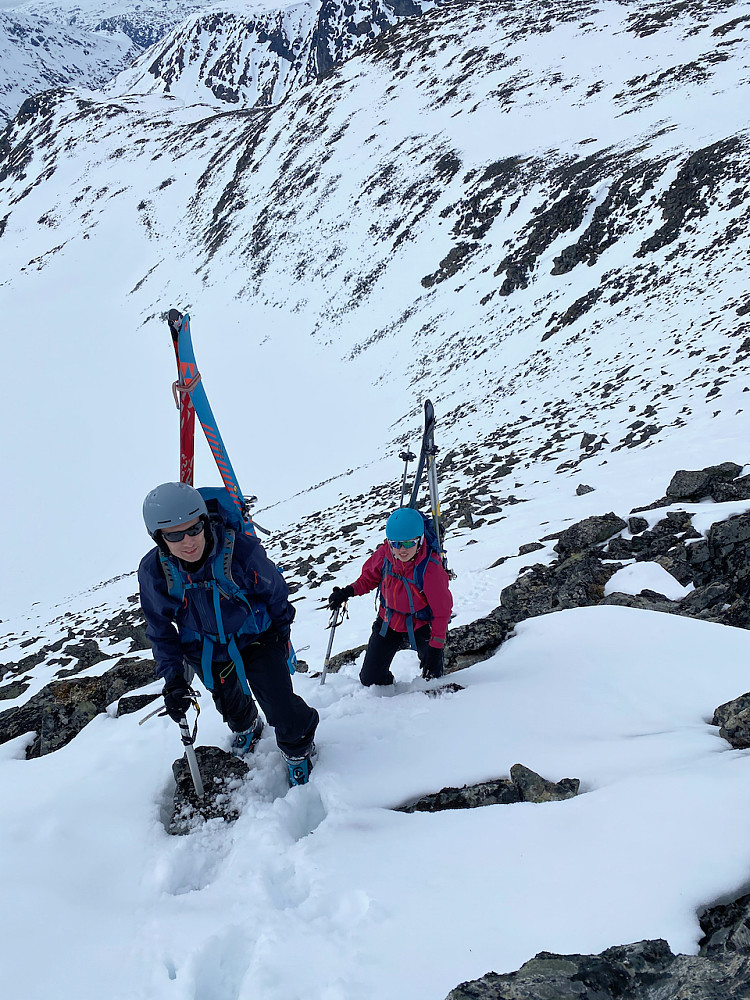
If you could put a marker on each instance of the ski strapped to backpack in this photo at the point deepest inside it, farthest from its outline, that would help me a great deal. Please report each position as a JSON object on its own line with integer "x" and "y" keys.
{"x": 189, "y": 383}
{"x": 219, "y": 503}
{"x": 416, "y": 582}
{"x": 427, "y": 460}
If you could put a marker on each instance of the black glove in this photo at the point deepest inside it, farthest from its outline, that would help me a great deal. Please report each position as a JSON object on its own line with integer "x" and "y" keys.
{"x": 432, "y": 663}
{"x": 177, "y": 699}
{"x": 281, "y": 635}
{"x": 339, "y": 596}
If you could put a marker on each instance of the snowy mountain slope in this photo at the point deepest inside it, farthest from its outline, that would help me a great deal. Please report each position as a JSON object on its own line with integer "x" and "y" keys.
{"x": 48, "y": 44}
{"x": 538, "y": 217}
{"x": 37, "y": 54}
{"x": 538, "y": 221}
{"x": 616, "y": 697}
{"x": 256, "y": 58}
{"x": 143, "y": 21}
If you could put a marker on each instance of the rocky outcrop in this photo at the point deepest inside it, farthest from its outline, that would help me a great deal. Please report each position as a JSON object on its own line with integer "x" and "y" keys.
{"x": 646, "y": 970}
{"x": 58, "y": 712}
{"x": 222, "y": 775}
{"x": 256, "y": 58}
{"x": 733, "y": 720}
{"x": 591, "y": 551}
{"x": 694, "y": 486}
{"x": 524, "y": 785}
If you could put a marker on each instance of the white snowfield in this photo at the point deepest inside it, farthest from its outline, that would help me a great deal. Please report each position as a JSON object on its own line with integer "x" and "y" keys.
{"x": 325, "y": 893}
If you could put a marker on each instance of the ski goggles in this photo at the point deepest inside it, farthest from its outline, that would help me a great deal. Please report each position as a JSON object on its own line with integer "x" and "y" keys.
{"x": 409, "y": 544}
{"x": 177, "y": 536}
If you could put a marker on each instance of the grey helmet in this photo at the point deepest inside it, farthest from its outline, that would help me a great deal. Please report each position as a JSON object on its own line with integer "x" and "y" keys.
{"x": 171, "y": 504}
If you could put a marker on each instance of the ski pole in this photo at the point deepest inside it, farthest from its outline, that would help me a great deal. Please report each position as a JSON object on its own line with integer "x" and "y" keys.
{"x": 332, "y": 625}
{"x": 406, "y": 457}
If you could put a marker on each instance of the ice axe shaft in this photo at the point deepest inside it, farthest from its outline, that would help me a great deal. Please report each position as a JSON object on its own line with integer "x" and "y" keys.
{"x": 192, "y": 760}
{"x": 336, "y": 618}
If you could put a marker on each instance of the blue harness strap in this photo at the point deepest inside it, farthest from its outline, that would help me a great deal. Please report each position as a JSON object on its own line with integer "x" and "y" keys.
{"x": 221, "y": 585}
{"x": 424, "y": 614}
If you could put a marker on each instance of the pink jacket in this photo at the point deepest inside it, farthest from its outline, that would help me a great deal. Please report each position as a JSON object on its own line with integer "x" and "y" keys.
{"x": 435, "y": 594}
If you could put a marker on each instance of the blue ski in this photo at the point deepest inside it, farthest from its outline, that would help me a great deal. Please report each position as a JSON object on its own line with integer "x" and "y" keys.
{"x": 191, "y": 381}
{"x": 191, "y": 377}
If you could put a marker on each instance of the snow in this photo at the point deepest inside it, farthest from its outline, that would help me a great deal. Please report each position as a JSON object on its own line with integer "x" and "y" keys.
{"x": 325, "y": 893}
{"x": 646, "y": 576}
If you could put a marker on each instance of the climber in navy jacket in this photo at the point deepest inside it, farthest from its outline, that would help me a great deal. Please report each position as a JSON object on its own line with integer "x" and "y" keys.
{"x": 217, "y": 606}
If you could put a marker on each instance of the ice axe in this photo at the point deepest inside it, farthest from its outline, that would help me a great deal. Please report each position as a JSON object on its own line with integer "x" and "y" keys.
{"x": 188, "y": 740}
{"x": 337, "y": 616}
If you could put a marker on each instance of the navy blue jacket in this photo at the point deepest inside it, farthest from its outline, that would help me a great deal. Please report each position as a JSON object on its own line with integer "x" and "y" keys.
{"x": 167, "y": 619}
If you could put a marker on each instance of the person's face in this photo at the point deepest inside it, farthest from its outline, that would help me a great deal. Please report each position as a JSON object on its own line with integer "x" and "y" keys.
{"x": 407, "y": 550}
{"x": 189, "y": 547}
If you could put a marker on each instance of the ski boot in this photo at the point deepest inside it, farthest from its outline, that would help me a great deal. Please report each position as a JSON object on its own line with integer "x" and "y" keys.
{"x": 299, "y": 767}
{"x": 244, "y": 742}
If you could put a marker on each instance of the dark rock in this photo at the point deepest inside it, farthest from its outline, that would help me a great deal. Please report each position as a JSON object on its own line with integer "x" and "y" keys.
{"x": 222, "y": 775}
{"x": 524, "y": 550}
{"x": 534, "y": 788}
{"x": 524, "y": 785}
{"x": 134, "y": 703}
{"x": 478, "y": 640}
{"x": 733, "y": 718}
{"x": 87, "y": 653}
{"x": 647, "y": 600}
{"x": 582, "y": 489}
{"x": 637, "y": 524}
{"x": 621, "y": 972}
{"x": 576, "y": 582}
{"x": 449, "y": 688}
{"x": 620, "y": 548}
{"x": 61, "y": 709}
{"x": 646, "y": 970}
{"x": 703, "y": 599}
{"x": 675, "y": 562}
{"x": 687, "y": 485}
{"x": 501, "y": 791}
{"x": 347, "y": 656}
{"x": 726, "y": 930}
{"x": 8, "y": 692}
{"x": 589, "y": 532}
{"x": 737, "y": 489}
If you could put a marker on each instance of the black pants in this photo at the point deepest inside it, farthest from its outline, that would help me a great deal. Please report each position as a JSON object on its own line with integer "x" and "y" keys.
{"x": 269, "y": 680}
{"x": 382, "y": 648}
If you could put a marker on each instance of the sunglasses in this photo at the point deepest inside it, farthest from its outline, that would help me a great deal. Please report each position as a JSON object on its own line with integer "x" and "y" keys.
{"x": 177, "y": 536}
{"x": 405, "y": 545}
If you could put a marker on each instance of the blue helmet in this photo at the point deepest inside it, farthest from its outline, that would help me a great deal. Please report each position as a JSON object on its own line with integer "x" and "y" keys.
{"x": 403, "y": 524}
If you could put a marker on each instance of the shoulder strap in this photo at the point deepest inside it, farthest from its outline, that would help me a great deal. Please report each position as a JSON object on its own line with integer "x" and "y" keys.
{"x": 421, "y": 568}
{"x": 173, "y": 576}
{"x": 221, "y": 567}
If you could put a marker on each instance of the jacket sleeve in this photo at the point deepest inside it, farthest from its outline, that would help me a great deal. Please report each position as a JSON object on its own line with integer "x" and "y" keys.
{"x": 437, "y": 593}
{"x": 253, "y": 570}
{"x": 372, "y": 572}
{"x": 158, "y": 610}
